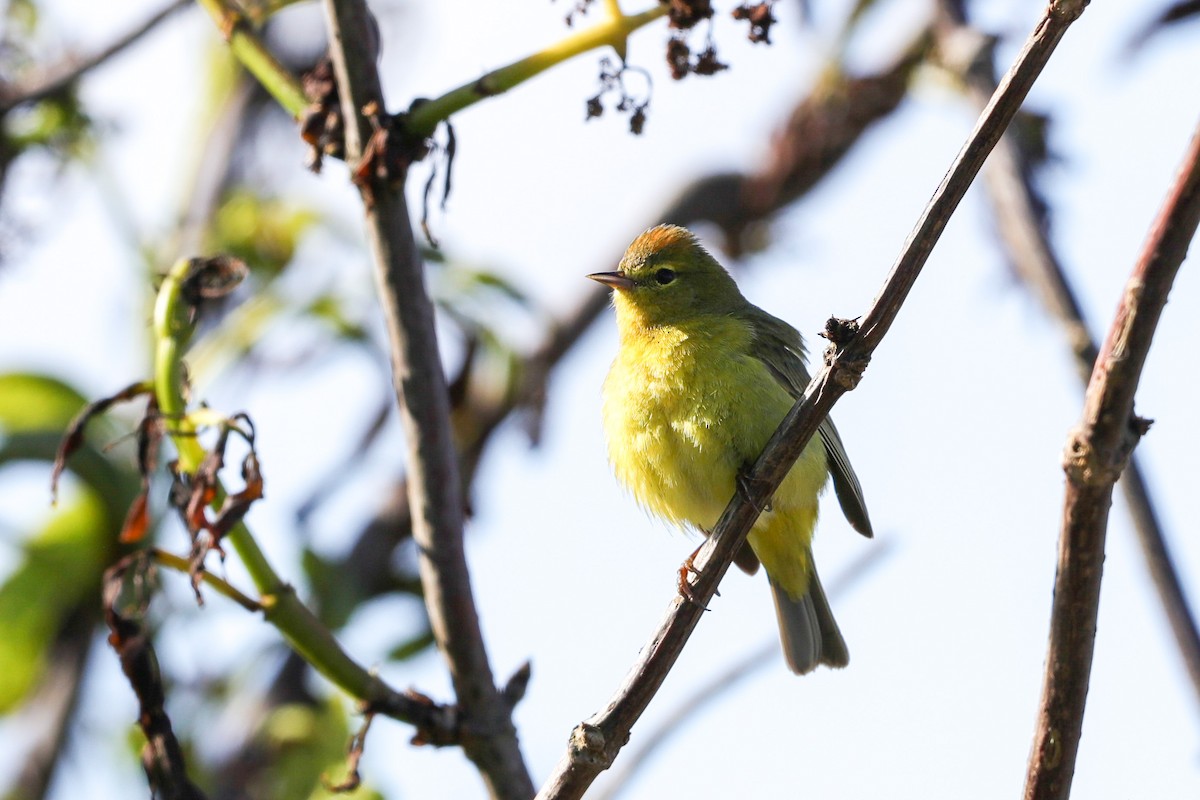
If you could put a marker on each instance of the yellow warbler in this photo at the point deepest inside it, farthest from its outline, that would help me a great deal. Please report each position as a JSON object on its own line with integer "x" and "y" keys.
{"x": 702, "y": 379}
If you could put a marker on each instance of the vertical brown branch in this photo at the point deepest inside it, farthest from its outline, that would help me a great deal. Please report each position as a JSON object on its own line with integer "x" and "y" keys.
{"x": 1097, "y": 451}
{"x": 126, "y": 599}
{"x": 435, "y": 494}
{"x": 1035, "y": 261}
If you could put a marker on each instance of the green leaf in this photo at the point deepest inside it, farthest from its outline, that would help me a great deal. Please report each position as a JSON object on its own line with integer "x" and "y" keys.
{"x": 60, "y": 567}
{"x": 34, "y": 412}
{"x": 328, "y": 309}
{"x": 336, "y": 597}
{"x": 363, "y": 792}
{"x": 307, "y": 745}
{"x": 114, "y": 485}
{"x": 479, "y": 282}
{"x": 263, "y": 232}
{"x": 22, "y": 17}
{"x": 413, "y": 647}
{"x": 30, "y": 402}
{"x": 58, "y": 123}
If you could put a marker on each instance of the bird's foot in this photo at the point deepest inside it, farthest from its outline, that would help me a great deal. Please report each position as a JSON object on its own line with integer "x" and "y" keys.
{"x": 744, "y": 485}
{"x": 686, "y": 570}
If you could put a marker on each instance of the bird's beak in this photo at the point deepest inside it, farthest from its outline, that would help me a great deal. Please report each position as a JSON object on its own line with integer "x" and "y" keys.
{"x": 614, "y": 279}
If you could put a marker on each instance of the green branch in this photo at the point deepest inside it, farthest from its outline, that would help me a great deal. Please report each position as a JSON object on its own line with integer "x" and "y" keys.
{"x": 249, "y": 49}
{"x": 613, "y": 32}
{"x": 281, "y": 607}
{"x": 172, "y": 330}
{"x": 219, "y": 585}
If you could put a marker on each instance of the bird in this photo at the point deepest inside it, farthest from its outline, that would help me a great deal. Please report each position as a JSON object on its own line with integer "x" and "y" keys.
{"x": 701, "y": 379}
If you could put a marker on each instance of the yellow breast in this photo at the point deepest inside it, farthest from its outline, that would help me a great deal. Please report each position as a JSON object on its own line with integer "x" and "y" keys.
{"x": 684, "y": 411}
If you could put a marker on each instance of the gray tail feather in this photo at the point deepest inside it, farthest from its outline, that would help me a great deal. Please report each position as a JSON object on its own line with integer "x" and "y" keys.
{"x": 807, "y": 630}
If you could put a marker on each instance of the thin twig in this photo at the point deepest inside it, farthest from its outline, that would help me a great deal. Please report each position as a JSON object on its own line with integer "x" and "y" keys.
{"x": 435, "y": 493}
{"x": 255, "y": 56}
{"x": 219, "y": 585}
{"x": 612, "y": 32}
{"x": 59, "y": 77}
{"x": 1036, "y": 263}
{"x": 595, "y": 743}
{"x": 716, "y": 687}
{"x": 1097, "y": 451}
{"x": 209, "y": 174}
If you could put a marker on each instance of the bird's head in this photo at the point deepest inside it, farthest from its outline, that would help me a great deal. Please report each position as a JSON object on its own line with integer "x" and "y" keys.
{"x": 667, "y": 278}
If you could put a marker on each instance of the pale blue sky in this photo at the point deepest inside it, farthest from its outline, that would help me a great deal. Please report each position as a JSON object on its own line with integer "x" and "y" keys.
{"x": 956, "y": 430}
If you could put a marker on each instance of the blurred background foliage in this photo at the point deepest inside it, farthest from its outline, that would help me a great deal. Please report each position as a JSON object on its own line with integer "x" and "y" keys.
{"x": 293, "y": 314}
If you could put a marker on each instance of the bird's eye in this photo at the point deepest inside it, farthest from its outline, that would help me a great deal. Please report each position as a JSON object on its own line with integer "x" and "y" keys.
{"x": 664, "y": 276}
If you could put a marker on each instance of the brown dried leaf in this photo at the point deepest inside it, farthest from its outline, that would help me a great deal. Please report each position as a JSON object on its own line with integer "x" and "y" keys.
{"x": 236, "y": 505}
{"x": 686, "y": 14}
{"x": 760, "y": 18}
{"x": 357, "y": 746}
{"x": 212, "y": 278}
{"x": 137, "y": 520}
{"x": 73, "y": 437}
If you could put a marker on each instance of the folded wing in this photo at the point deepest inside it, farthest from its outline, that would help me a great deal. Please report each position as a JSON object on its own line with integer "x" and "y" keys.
{"x": 780, "y": 347}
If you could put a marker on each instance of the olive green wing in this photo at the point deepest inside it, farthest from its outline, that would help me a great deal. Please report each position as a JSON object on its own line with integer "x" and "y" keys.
{"x": 780, "y": 347}
{"x": 845, "y": 482}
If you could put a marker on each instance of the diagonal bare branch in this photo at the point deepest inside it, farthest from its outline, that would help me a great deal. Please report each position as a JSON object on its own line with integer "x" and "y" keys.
{"x": 719, "y": 684}
{"x": 596, "y": 742}
{"x": 58, "y": 77}
{"x": 1097, "y": 452}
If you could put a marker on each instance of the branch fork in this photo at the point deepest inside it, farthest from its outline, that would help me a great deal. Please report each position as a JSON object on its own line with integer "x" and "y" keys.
{"x": 1088, "y": 464}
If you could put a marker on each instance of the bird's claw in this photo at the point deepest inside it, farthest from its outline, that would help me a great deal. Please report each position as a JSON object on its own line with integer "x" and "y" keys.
{"x": 687, "y": 569}
{"x": 743, "y": 486}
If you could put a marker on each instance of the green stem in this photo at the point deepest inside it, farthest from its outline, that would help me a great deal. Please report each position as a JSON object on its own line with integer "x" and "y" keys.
{"x": 172, "y": 329}
{"x": 249, "y": 49}
{"x": 219, "y": 585}
{"x": 304, "y": 632}
{"x": 422, "y": 120}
